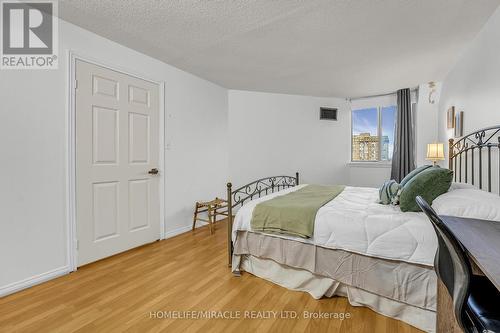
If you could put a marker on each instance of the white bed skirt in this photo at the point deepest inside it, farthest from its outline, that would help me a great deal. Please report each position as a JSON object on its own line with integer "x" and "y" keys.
{"x": 319, "y": 286}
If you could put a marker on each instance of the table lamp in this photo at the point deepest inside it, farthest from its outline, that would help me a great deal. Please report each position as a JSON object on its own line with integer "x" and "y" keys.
{"x": 435, "y": 152}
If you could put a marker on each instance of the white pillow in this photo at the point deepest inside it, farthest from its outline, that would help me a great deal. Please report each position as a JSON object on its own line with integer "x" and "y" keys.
{"x": 460, "y": 186}
{"x": 469, "y": 203}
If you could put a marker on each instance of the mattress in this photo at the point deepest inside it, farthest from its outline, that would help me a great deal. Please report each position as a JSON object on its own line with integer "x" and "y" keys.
{"x": 354, "y": 221}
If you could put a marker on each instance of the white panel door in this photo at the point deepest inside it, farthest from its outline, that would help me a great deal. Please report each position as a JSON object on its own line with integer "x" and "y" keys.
{"x": 117, "y": 147}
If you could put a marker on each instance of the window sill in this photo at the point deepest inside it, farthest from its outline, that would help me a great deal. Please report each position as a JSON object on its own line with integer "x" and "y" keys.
{"x": 370, "y": 164}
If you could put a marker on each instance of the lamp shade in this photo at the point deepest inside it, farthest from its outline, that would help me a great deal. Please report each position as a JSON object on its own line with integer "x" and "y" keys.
{"x": 435, "y": 151}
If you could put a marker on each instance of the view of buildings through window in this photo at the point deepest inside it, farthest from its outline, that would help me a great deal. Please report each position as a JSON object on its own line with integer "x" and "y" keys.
{"x": 373, "y": 133}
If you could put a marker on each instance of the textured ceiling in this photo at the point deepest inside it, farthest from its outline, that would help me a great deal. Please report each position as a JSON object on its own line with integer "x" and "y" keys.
{"x": 339, "y": 48}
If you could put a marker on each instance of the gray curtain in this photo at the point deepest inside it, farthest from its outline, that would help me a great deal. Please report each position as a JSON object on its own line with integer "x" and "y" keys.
{"x": 403, "y": 158}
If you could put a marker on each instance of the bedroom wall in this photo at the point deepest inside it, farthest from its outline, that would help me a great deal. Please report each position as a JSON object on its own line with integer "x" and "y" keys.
{"x": 473, "y": 84}
{"x": 272, "y": 134}
{"x": 33, "y": 145}
{"x": 279, "y": 134}
{"x": 426, "y": 122}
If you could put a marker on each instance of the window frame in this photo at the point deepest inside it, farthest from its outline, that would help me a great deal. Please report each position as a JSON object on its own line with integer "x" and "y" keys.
{"x": 379, "y": 161}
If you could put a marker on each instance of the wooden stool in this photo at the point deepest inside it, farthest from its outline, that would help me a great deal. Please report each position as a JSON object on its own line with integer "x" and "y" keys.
{"x": 213, "y": 208}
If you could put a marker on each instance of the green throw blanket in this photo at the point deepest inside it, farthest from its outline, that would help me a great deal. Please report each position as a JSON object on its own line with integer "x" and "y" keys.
{"x": 293, "y": 213}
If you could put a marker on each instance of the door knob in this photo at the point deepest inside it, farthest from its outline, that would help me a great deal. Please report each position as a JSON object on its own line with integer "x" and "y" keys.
{"x": 153, "y": 171}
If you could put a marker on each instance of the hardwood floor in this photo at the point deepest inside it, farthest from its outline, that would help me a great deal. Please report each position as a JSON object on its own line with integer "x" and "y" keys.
{"x": 184, "y": 273}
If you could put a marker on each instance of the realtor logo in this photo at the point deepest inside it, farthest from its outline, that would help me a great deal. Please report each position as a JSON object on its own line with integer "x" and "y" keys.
{"x": 29, "y": 34}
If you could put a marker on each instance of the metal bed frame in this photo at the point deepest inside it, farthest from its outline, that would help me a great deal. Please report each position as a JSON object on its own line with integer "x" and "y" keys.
{"x": 471, "y": 149}
{"x": 250, "y": 191}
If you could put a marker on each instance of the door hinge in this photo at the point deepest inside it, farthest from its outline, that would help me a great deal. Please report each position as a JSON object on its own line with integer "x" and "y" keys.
{"x": 76, "y": 84}
{"x": 77, "y": 244}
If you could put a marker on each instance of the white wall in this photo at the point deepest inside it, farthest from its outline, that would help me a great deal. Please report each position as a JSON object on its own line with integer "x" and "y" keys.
{"x": 473, "y": 85}
{"x": 33, "y": 153}
{"x": 273, "y": 134}
{"x": 368, "y": 176}
{"x": 426, "y": 122}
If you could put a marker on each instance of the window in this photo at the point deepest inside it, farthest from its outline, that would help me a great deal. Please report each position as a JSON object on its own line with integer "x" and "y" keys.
{"x": 372, "y": 134}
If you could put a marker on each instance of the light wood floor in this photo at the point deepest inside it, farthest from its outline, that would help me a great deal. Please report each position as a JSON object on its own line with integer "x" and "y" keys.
{"x": 184, "y": 273}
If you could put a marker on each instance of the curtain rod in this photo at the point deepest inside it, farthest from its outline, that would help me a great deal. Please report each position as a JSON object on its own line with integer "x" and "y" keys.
{"x": 379, "y": 95}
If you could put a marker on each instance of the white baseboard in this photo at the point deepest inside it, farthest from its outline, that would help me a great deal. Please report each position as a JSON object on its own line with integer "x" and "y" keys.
{"x": 34, "y": 280}
{"x": 181, "y": 230}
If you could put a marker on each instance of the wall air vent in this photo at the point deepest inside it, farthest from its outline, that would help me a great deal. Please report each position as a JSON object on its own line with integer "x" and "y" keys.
{"x": 327, "y": 113}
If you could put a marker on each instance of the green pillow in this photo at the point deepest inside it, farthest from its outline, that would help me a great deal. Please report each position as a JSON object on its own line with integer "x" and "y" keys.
{"x": 388, "y": 192}
{"x": 413, "y": 174}
{"x": 429, "y": 184}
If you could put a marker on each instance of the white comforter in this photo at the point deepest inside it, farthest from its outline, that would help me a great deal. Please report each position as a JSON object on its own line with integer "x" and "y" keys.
{"x": 355, "y": 222}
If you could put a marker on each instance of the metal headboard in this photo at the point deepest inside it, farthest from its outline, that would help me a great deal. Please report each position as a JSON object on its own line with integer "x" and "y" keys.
{"x": 251, "y": 191}
{"x": 472, "y": 154}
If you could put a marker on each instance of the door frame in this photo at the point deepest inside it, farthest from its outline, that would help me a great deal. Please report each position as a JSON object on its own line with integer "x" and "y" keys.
{"x": 71, "y": 226}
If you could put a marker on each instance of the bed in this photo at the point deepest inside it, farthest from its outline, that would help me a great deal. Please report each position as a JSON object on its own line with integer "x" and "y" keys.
{"x": 373, "y": 254}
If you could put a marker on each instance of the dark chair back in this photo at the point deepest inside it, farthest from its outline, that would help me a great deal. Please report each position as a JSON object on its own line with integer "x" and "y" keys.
{"x": 451, "y": 264}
